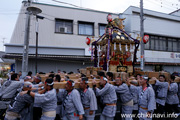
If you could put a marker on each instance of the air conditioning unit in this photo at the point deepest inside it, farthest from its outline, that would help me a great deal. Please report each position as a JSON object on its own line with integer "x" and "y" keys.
{"x": 63, "y": 29}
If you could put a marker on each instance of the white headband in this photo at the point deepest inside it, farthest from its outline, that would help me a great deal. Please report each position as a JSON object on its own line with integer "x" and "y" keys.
{"x": 73, "y": 84}
{"x": 146, "y": 78}
{"x": 105, "y": 79}
{"x": 50, "y": 83}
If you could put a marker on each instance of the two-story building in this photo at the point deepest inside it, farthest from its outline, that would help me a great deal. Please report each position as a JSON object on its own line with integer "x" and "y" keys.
{"x": 63, "y": 32}
{"x": 162, "y": 52}
{"x": 62, "y": 37}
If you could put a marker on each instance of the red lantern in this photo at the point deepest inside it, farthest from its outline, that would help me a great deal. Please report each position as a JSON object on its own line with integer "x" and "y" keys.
{"x": 145, "y": 39}
{"x": 88, "y": 41}
{"x": 109, "y": 18}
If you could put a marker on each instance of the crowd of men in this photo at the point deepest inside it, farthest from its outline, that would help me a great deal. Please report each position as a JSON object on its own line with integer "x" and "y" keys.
{"x": 32, "y": 99}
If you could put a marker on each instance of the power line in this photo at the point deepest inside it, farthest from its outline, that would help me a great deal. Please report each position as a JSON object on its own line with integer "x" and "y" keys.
{"x": 48, "y": 15}
{"x": 163, "y": 4}
{"x": 66, "y": 3}
{"x": 14, "y": 12}
{"x": 122, "y": 14}
{"x": 170, "y": 4}
{"x": 75, "y": 5}
{"x": 9, "y": 10}
{"x": 49, "y": 19}
{"x": 10, "y": 13}
{"x": 160, "y": 4}
{"x": 176, "y": 4}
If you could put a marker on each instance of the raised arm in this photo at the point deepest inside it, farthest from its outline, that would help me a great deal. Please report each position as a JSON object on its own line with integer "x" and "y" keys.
{"x": 121, "y": 89}
{"x": 101, "y": 92}
{"x": 162, "y": 84}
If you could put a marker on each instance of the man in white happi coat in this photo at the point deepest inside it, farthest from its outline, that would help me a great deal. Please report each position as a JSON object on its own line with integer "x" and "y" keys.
{"x": 88, "y": 99}
{"x": 147, "y": 102}
{"x": 47, "y": 98}
{"x": 108, "y": 98}
{"x": 19, "y": 107}
{"x": 172, "y": 99}
{"x": 73, "y": 109}
{"x": 8, "y": 91}
{"x": 125, "y": 97}
{"x": 161, "y": 95}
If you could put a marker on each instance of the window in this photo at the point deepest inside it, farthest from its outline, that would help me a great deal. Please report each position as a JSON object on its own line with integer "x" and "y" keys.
{"x": 175, "y": 45}
{"x": 151, "y": 42}
{"x": 102, "y": 29}
{"x": 64, "y": 26}
{"x": 170, "y": 44}
{"x": 160, "y": 43}
{"x": 86, "y": 28}
{"x": 156, "y": 43}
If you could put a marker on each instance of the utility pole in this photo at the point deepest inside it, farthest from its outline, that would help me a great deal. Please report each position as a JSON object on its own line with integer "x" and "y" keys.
{"x": 26, "y": 42}
{"x": 37, "y": 27}
{"x": 142, "y": 34}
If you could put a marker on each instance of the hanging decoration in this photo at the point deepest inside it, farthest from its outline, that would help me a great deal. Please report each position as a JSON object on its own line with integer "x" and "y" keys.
{"x": 88, "y": 40}
{"x": 91, "y": 52}
{"x": 109, "y": 18}
{"x": 145, "y": 39}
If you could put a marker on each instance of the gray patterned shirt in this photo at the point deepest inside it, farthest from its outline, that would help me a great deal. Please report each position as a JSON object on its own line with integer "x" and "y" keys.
{"x": 162, "y": 90}
{"x": 48, "y": 100}
{"x": 172, "y": 97}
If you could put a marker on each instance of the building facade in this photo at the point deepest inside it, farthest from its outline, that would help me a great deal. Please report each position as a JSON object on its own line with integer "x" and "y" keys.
{"x": 63, "y": 32}
{"x": 162, "y": 52}
{"x": 62, "y": 37}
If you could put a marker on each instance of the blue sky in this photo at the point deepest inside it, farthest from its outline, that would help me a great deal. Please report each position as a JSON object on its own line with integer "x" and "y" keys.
{"x": 9, "y": 10}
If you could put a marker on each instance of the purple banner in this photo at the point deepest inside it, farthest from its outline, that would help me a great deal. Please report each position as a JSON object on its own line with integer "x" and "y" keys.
{"x": 108, "y": 49}
{"x": 91, "y": 52}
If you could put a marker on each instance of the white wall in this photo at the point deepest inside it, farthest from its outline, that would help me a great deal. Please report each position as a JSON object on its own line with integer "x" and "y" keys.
{"x": 159, "y": 56}
{"x": 154, "y": 23}
{"x": 45, "y": 50}
{"x": 158, "y": 24}
{"x": 47, "y": 35}
{"x": 53, "y": 65}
